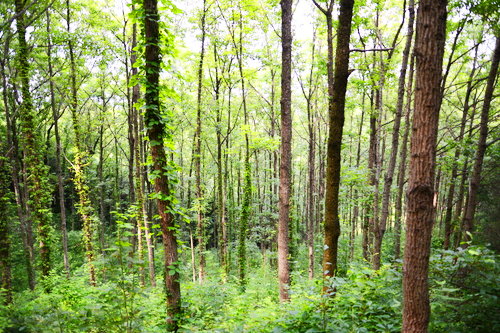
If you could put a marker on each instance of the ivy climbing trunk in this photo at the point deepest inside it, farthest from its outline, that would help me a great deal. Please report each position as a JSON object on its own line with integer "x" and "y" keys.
{"x": 155, "y": 122}
{"x": 37, "y": 171}
{"x": 429, "y": 49}
{"x": 13, "y": 149}
{"x": 85, "y": 209}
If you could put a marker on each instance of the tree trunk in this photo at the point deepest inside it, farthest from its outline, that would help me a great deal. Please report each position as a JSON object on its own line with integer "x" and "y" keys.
{"x": 197, "y": 156}
{"x": 28, "y": 249}
{"x": 39, "y": 193}
{"x": 398, "y": 211}
{"x": 55, "y": 116}
{"x": 475, "y": 179}
{"x": 221, "y": 196}
{"x": 84, "y": 206}
{"x": 157, "y": 134}
{"x": 5, "y": 198}
{"x": 142, "y": 216}
{"x": 395, "y": 143}
{"x": 429, "y": 49}
{"x": 337, "y": 86}
{"x": 286, "y": 148}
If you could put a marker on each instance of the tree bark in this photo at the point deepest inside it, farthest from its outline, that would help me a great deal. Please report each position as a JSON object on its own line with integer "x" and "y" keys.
{"x": 157, "y": 133}
{"x": 286, "y": 149}
{"x": 337, "y": 86}
{"x": 398, "y": 211}
{"x": 197, "y": 156}
{"x": 429, "y": 49}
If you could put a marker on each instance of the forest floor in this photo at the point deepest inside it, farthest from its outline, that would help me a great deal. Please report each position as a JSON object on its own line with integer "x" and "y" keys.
{"x": 464, "y": 290}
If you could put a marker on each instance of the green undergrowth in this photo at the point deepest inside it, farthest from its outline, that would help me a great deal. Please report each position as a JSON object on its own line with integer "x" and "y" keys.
{"x": 465, "y": 286}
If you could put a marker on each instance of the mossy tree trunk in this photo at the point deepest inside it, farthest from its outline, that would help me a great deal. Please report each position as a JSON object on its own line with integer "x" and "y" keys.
{"x": 39, "y": 192}
{"x": 337, "y": 86}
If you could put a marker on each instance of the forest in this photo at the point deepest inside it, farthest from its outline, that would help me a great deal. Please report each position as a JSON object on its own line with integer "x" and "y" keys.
{"x": 250, "y": 166}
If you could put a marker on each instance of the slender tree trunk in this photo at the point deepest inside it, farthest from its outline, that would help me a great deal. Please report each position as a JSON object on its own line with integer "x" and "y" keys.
{"x": 5, "y": 198}
{"x": 395, "y": 143}
{"x": 247, "y": 188}
{"x": 142, "y": 216}
{"x": 286, "y": 148}
{"x": 55, "y": 116}
{"x": 337, "y": 86}
{"x": 448, "y": 229}
{"x": 429, "y": 49}
{"x": 398, "y": 212}
{"x": 84, "y": 206}
{"x": 221, "y": 196}
{"x": 197, "y": 156}
{"x": 475, "y": 179}
{"x": 157, "y": 134}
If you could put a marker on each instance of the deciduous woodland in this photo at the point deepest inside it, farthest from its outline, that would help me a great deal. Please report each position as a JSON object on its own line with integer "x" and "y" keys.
{"x": 249, "y": 166}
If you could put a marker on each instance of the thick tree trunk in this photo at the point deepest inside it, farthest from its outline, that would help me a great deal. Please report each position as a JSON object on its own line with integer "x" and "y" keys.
{"x": 429, "y": 49}
{"x": 286, "y": 148}
{"x": 157, "y": 136}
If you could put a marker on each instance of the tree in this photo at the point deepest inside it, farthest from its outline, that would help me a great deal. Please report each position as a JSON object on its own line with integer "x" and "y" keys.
{"x": 337, "y": 86}
{"x": 197, "y": 152}
{"x": 481, "y": 144}
{"x": 155, "y": 122}
{"x": 5, "y": 199}
{"x": 85, "y": 208}
{"x": 379, "y": 234}
{"x": 39, "y": 193}
{"x": 286, "y": 147}
{"x": 56, "y": 116}
{"x": 429, "y": 49}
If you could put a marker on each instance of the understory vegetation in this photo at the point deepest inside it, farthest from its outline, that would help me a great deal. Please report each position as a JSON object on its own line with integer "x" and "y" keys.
{"x": 464, "y": 293}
